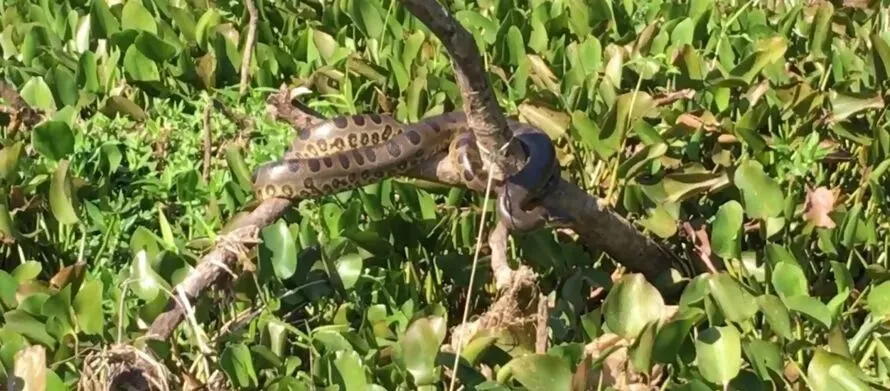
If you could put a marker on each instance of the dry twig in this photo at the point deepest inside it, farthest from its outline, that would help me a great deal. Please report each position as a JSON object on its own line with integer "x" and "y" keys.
{"x": 249, "y": 43}
{"x": 208, "y": 141}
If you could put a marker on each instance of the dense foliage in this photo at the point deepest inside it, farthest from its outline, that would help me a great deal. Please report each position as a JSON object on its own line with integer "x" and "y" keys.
{"x": 751, "y": 137}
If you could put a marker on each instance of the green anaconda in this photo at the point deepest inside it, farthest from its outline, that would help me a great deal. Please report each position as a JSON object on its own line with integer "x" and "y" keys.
{"x": 351, "y": 151}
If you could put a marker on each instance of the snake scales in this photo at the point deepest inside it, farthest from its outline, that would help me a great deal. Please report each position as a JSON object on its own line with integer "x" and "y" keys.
{"x": 351, "y": 151}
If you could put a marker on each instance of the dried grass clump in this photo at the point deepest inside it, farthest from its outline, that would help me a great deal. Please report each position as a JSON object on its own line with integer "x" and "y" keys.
{"x": 122, "y": 367}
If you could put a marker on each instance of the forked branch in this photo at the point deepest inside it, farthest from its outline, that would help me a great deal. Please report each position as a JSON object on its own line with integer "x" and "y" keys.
{"x": 597, "y": 226}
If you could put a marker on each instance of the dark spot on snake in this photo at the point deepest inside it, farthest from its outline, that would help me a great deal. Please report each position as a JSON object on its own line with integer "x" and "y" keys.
{"x": 341, "y": 122}
{"x": 375, "y": 138}
{"x": 418, "y": 155}
{"x": 413, "y": 137}
{"x": 371, "y": 154}
{"x": 365, "y": 139}
{"x": 308, "y": 183}
{"x": 287, "y": 191}
{"x": 323, "y": 145}
{"x": 314, "y": 165}
{"x": 359, "y": 120}
{"x": 359, "y": 159}
{"x": 293, "y": 165}
{"x": 435, "y": 126}
{"x": 311, "y": 149}
{"x": 365, "y": 174}
{"x": 304, "y": 193}
{"x": 328, "y": 162}
{"x": 353, "y": 140}
{"x": 468, "y": 175}
{"x": 375, "y": 118}
{"x": 344, "y": 161}
{"x": 327, "y": 188}
{"x": 401, "y": 166}
{"x": 339, "y": 144}
{"x": 463, "y": 142}
{"x": 305, "y": 134}
{"x": 394, "y": 149}
{"x": 270, "y": 190}
{"x": 387, "y": 132}
{"x": 352, "y": 177}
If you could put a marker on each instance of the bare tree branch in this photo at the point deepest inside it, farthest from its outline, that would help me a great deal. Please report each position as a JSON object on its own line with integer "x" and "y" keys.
{"x": 598, "y": 227}
{"x": 484, "y": 115}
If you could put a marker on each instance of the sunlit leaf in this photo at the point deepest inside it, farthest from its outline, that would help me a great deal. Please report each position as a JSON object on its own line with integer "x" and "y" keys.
{"x": 761, "y": 194}
{"x": 420, "y": 345}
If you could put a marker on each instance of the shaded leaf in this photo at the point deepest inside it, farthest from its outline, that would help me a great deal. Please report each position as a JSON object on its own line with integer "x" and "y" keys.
{"x": 719, "y": 354}
{"x": 538, "y": 372}
{"x": 632, "y": 304}
{"x": 61, "y": 201}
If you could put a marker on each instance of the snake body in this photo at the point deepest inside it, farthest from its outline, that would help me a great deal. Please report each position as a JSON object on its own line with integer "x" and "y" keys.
{"x": 351, "y": 151}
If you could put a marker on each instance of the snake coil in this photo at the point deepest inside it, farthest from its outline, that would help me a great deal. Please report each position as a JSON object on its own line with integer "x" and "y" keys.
{"x": 351, "y": 151}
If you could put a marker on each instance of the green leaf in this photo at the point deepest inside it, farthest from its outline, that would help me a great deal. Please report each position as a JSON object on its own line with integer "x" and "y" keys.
{"x": 878, "y": 301}
{"x": 881, "y": 58}
{"x": 766, "y": 52}
{"x": 735, "y": 302}
{"x": 206, "y": 23}
{"x": 420, "y": 345}
{"x": 282, "y": 249}
{"x": 134, "y": 16}
{"x": 845, "y": 105}
{"x": 27, "y": 271}
{"x": 538, "y": 372}
{"x": 237, "y": 363}
{"x": 8, "y": 287}
{"x": 24, "y": 324}
{"x": 761, "y": 194}
{"x": 719, "y": 354}
{"x": 61, "y": 201}
{"x": 10, "y": 156}
{"x": 65, "y": 86}
{"x": 832, "y": 372}
{"x": 146, "y": 283}
{"x": 87, "y": 75}
{"x": 811, "y": 308}
{"x": 154, "y": 47}
{"x": 102, "y": 21}
{"x": 789, "y": 279}
{"x": 776, "y": 315}
{"x": 515, "y": 45}
{"x": 631, "y": 304}
{"x": 672, "y": 336}
{"x": 139, "y": 67}
{"x": 764, "y": 357}
{"x": 820, "y": 35}
{"x": 727, "y": 230}
{"x": 184, "y": 19}
{"x": 349, "y": 267}
{"x": 53, "y": 139}
{"x": 352, "y": 373}
{"x": 88, "y": 308}
{"x": 38, "y": 94}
